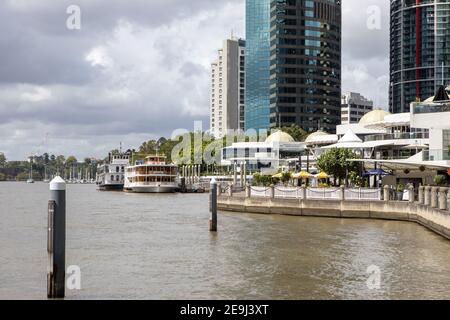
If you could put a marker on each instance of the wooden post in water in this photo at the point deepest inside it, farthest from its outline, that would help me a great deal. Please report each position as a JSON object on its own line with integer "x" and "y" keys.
{"x": 213, "y": 206}
{"x": 56, "y": 246}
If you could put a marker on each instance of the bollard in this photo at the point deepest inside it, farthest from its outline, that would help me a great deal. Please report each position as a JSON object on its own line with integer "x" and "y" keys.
{"x": 230, "y": 190}
{"x": 245, "y": 172}
{"x": 272, "y": 192}
{"x": 427, "y": 196}
{"x": 448, "y": 200}
{"x": 219, "y": 190}
{"x": 213, "y": 206}
{"x": 412, "y": 196}
{"x": 342, "y": 193}
{"x": 235, "y": 173}
{"x": 248, "y": 191}
{"x": 56, "y": 246}
{"x": 242, "y": 175}
{"x": 434, "y": 197}
{"x": 386, "y": 193}
{"x": 443, "y": 198}
{"x": 303, "y": 192}
{"x": 421, "y": 195}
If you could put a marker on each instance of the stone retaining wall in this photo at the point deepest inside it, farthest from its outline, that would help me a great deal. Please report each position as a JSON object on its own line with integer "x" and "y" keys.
{"x": 431, "y": 218}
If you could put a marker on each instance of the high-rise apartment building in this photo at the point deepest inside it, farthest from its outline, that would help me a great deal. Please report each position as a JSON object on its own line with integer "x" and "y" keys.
{"x": 354, "y": 107}
{"x": 228, "y": 89}
{"x": 305, "y": 64}
{"x": 257, "y": 65}
{"x": 420, "y": 50}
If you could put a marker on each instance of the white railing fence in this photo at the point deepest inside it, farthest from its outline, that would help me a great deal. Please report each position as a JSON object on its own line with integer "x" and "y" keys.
{"x": 260, "y": 192}
{"x": 317, "y": 193}
{"x": 363, "y": 194}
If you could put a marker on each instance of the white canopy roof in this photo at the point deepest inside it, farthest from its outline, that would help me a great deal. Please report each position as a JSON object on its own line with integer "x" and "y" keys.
{"x": 349, "y": 141}
{"x": 350, "y": 136}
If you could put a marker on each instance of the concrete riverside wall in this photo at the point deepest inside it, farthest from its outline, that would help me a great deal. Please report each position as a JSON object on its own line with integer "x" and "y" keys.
{"x": 431, "y": 218}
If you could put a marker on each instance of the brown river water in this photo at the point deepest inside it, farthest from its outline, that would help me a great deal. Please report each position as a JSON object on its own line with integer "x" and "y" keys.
{"x": 158, "y": 247}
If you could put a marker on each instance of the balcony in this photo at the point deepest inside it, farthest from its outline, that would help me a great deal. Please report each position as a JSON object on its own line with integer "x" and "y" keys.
{"x": 398, "y": 136}
{"x": 436, "y": 155}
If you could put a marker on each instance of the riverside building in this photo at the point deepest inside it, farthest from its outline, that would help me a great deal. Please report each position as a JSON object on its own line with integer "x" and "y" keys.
{"x": 305, "y": 64}
{"x": 228, "y": 89}
{"x": 354, "y": 107}
{"x": 420, "y": 50}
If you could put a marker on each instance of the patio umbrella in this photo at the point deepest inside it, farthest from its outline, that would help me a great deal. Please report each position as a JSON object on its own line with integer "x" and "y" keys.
{"x": 278, "y": 176}
{"x": 322, "y": 176}
{"x": 303, "y": 175}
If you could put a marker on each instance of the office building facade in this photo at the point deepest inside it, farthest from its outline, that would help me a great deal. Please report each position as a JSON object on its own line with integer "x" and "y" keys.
{"x": 305, "y": 64}
{"x": 227, "y": 109}
{"x": 257, "y": 65}
{"x": 354, "y": 107}
{"x": 419, "y": 50}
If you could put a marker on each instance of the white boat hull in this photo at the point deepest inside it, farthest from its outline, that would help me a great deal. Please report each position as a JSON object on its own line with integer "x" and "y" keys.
{"x": 152, "y": 189}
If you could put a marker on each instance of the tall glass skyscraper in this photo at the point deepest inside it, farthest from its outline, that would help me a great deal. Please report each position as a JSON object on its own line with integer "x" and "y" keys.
{"x": 306, "y": 64}
{"x": 420, "y": 50}
{"x": 257, "y": 65}
{"x": 293, "y": 64}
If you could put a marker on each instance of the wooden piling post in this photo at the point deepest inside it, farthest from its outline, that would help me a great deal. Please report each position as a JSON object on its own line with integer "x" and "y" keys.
{"x": 213, "y": 206}
{"x": 56, "y": 246}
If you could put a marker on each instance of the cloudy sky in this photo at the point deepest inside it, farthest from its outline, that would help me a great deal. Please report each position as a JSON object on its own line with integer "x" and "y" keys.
{"x": 136, "y": 70}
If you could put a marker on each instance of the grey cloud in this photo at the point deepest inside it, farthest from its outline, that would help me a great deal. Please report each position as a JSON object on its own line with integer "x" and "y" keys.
{"x": 154, "y": 76}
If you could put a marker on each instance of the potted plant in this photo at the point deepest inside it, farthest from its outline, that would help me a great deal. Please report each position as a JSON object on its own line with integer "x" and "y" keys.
{"x": 400, "y": 191}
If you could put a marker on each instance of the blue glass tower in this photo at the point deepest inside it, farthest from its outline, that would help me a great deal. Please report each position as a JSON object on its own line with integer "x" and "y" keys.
{"x": 257, "y": 65}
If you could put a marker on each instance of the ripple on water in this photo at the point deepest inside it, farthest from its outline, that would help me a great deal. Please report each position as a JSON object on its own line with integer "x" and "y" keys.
{"x": 158, "y": 247}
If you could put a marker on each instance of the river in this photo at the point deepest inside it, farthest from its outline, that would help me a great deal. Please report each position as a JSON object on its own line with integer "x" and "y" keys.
{"x": 131, "y": 246}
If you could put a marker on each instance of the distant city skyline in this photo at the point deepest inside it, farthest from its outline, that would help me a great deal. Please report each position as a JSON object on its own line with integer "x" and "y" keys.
{"x": 137, "y": 71}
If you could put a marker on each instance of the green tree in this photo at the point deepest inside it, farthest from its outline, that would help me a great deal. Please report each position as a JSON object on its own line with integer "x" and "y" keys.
{"x": 296, "y": 132}
{"x": 23, "y": 176}
{"x": 2, "y": 160}
{"x": 286, "y": 177}
{"x": 71, "y": 161}
{"x": 2, "y": 177}
{"x": 334, "y": 162}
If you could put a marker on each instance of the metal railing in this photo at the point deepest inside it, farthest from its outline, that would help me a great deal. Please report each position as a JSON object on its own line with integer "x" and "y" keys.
{"x": 397, "y": 136}
{"x": 439, "y": 106}
{"x": 436, "y": 155}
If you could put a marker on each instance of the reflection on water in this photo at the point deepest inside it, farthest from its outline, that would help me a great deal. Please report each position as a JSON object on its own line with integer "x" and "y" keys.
{"x": 158, "y": 247}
